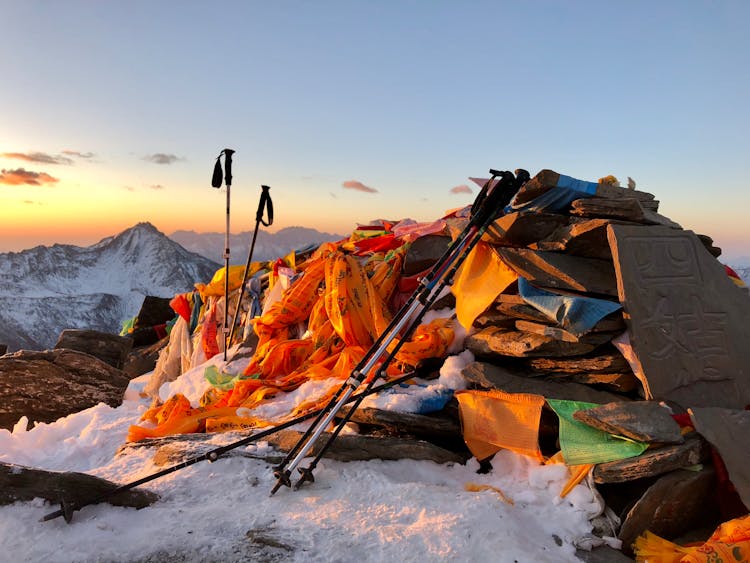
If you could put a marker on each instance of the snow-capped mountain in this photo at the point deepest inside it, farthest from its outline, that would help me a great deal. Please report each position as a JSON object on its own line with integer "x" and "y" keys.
{"x": 47, "y": 289}
{"x": 267, "y": 246}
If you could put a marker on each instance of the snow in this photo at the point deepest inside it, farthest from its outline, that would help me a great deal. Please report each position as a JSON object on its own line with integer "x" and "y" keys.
{"x": 366, "y": 511}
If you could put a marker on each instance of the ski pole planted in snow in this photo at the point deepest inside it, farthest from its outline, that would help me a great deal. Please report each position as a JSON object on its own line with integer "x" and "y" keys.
{"x": 490, "y": 202}
{"x": 216, "y": 183}
{"x": 67, "y": 508}
{"x": 265, "y": 204}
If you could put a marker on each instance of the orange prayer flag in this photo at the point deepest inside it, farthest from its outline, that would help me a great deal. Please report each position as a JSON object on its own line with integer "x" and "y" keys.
{"x": 480, "y": 279}
{"x": 492, "y": 420}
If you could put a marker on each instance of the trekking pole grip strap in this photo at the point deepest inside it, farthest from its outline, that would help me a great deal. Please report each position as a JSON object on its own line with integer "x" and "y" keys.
{"x": 265, "y": 203}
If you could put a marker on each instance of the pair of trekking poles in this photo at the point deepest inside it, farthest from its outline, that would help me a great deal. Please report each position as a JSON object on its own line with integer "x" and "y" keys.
{"x": 496, "y": 193}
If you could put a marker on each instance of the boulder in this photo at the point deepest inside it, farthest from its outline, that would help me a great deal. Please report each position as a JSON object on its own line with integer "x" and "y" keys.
{"x": 109, "y": 348}
{"x": 154, "y": 311}
{"x": 45, "y": 386}
{"x": 424, "y": 252}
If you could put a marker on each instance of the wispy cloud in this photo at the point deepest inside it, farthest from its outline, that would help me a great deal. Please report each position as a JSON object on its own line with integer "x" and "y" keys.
{"x": 30, "y": 202}
{"x": 129, "y": 188}
{"x": 78, "y": 154}
{"x": 359, "y": 186}
{"x": 20, "y": 176}
{"x": 162, "y": 158}
{"x": 462, "y": 189}
{"x": 38, "y": 157}
{"x": 333, "y": 195}
{"x": 156, "y": 187}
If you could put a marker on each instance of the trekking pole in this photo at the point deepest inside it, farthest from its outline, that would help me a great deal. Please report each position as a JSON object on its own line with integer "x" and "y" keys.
{"x": 265, "y": 204}
{"x": 490, "y": 199}
{"x": 68, "y": 508}
{"x": 216, "y": 183}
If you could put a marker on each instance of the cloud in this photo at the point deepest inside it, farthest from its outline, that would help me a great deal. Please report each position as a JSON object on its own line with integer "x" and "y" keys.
{"x": 359, "y": 186}
{"x": 129, "y": 188}
{"x": 38, "y": 157}
{"x": 462, "y": 189}
{"x": 156, "y": 187}
{"x": 30, "y": 202}
{"x": 162, "y": 158}
{"x": 19, "y": 176}
{"x": 333, "y": 195}
{"x": 78, "y": 154}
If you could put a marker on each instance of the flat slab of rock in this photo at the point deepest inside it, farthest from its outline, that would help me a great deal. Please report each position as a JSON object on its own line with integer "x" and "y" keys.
{"x": 522, "y": 229}
{"x": 643, "y": 421}
{"x": 154, "y": 311}
{"x": 20, "y": 483}
{"x": 610, "y": 361}
{"x": 654, "y": 462}
{"x": 496, "y": 341}
{"x": 410, "y": 423}
{"x": 490, "y": 376}
{"x": 45, "y": 386}
{"x": 688, "y": 322}
{"x": 562, "y": 271}
{"x": 729, "y": 432}
{"x": 626, "y": 209}
{"x": 110, "y": 348}
{"x": 675, "y": 504}
{"x": 351, "y": 447}
{"x": 584, "y": 237}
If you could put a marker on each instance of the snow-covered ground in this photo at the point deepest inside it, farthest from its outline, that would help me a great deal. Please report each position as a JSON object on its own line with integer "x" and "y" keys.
{"x": 358, "y": 511}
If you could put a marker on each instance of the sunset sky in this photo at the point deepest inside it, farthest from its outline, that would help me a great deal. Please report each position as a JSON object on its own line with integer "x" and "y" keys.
{"x": 114, "y": 112}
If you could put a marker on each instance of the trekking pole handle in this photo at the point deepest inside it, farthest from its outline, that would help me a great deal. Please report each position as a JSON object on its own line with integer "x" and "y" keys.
{"x": 228, "y": 166}
{"x": 266, "y": 204}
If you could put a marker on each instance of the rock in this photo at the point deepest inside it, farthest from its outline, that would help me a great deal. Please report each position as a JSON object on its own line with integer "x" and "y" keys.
{"x": 624, "y": 209}
{"x": 353, "y": 447}
{"x": 587, "y": 237}
{"x": 427, "y": 426}
{"x": 676, "y": 503}
{"x": 560, "y": 271}
{"x": 490, "y": 376}
{"x": 109, "y": 348}
{"x": 45, "y": 386}
{"x": 609, "y": 361}
{"x": 729, "y": 432}
{"x": 617, "y": 382}
{"x": 495, "y": 341}
{"x": 687, "y": 320}
{"x": 154, "y": 311}
{"x": 654, "y": 462}
{"x": 520, "y": 311}
{"x": 143, "y": 360}
{"x": 616, "y": 192}
{"x": 3, "y": 349}
{"x": 643, "y": 421}
{"x": 424, "y": 252}
{"x": 523, "y": 229}
{"x": 708, "y": 243}
{"x": 593, "y": 338}
{"x": 180, "y": 451}
{"x": 20, "y": 483}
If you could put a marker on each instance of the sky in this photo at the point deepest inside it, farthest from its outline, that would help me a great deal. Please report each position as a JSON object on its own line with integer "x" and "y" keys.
{"x": 114, "y": 112}
{"x": 368, "y": 511}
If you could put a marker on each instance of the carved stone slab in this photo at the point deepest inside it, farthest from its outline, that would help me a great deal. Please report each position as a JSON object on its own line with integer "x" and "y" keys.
{"x": 688, "y": 322}
{"x": 555, "y": 270}
{"x": 643, "y": 421}
{"x": 653, "y": 462}
{"x": 729, "y": 432}
{"x": 490, "y": 376}
{"x": 675, "y": 504}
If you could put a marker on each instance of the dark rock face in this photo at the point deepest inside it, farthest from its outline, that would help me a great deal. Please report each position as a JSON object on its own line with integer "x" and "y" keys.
{"x": 109, "y": 348}
{"x": 45, "y": 386}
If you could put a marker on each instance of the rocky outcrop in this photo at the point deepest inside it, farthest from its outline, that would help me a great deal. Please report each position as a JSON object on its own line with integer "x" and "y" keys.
{"x": 45, "y": 386}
